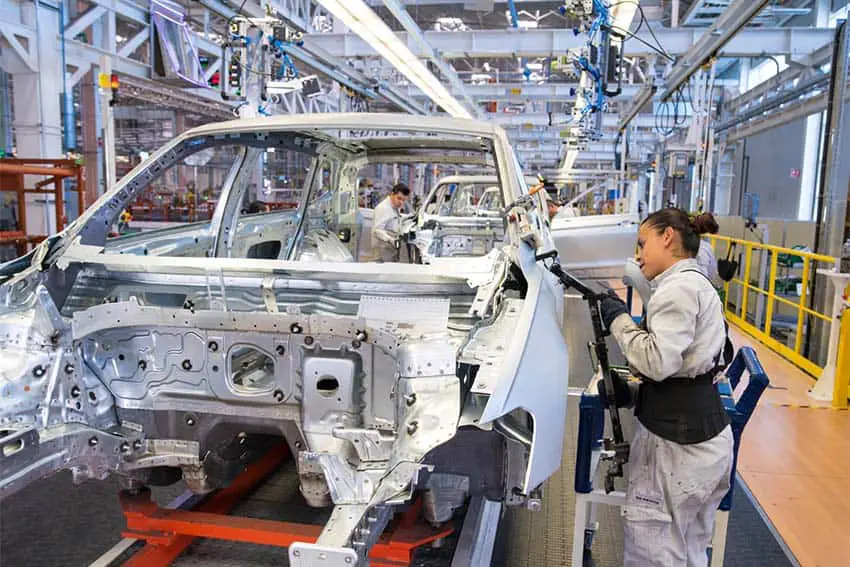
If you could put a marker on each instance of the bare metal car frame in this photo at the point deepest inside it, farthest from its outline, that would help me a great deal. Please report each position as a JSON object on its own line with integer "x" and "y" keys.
{"x": 384, "y": 379}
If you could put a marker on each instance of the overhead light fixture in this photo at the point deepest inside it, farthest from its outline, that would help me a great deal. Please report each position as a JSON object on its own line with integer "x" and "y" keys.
{"x": 363, "y": 21}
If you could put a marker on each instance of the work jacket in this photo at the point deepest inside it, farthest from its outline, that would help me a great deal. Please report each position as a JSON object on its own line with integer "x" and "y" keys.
{"x": 386, "y": 224}
{"x": 685, "y": 327}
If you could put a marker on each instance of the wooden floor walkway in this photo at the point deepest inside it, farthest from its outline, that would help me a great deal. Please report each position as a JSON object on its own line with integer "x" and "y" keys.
{"x": 795, "y": 459}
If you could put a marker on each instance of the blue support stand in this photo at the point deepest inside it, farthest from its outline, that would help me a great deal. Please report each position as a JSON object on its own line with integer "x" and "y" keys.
{"x": 740, "y": 412}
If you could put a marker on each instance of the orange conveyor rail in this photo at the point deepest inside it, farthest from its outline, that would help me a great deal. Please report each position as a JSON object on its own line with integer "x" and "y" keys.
{"x": 168, "y": 533}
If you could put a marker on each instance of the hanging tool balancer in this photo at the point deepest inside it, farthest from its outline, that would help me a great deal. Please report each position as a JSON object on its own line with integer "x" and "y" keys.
{"x": 259, "y": 69}
{"x": 618, "y": 447}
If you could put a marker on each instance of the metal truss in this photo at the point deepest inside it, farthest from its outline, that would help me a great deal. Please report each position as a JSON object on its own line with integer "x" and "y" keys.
{"x": 791, "y": 77}
{"x": 530, "y": 120}
{"x": 750, "y": 42}
{"x": 728, "y": 26}
{"x": 446, "y": 70}
{"x": 595, "y": 149}
{"x": 145, "y": 91}
{"x": 22, "y": 40}
{"x": 150, "y": 92}
{"x": 306, "y": 16}
{"x": 705, "y": 12}
{"x": 522, "y": 92}
{"x": 92, "y": 35}
{"x": 796, "y": 92}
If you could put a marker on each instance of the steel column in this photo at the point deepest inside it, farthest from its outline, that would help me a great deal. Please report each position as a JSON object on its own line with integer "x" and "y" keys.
{"x": 109, "y": 174}
{"x": 832, "y": 202}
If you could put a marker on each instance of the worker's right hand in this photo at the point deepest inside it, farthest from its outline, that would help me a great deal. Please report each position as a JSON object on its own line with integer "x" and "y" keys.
{"x": 612, "y": 307}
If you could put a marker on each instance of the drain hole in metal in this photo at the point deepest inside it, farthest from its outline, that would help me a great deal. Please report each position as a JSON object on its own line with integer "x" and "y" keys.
{"x": 327, "y": 386}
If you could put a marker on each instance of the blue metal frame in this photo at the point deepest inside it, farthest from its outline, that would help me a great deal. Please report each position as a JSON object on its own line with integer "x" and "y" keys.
{"x": 514, "y": 15}
{"x": 740, "y": 412}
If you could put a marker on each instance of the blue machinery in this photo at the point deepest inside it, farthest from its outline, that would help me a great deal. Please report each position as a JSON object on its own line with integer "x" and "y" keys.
{"x": 598, "y": 64}
{"x": 589, "y": 452}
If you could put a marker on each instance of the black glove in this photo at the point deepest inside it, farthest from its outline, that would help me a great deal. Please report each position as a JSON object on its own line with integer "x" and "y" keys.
{"x": 612, "y": 307}
{"x": 623, "y": 393}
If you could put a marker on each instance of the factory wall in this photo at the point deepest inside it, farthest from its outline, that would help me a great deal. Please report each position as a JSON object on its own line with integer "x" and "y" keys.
{"x": 773, "y": 171}
{"x": 785, "y": 233}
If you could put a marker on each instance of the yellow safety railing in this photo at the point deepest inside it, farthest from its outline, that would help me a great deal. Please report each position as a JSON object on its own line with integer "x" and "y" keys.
{"x": 760, "y": 325}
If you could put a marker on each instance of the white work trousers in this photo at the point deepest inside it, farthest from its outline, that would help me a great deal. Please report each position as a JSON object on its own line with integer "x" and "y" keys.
{"x": 385, "y": 252}
{"x": 673, "y": 495}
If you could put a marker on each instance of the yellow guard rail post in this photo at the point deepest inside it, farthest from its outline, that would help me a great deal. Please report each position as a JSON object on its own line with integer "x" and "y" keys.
{"x": 739, "y": 314}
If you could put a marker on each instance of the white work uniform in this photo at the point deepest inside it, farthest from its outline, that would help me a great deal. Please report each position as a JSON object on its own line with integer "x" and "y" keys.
{"x": 386, "y": 228}
{"x": 674, "y": 489}
{"x": 708, "y": 263}
{"x": 567, "y": 212}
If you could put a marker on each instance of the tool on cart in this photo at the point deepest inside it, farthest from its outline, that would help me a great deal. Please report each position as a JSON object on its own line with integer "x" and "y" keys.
{"x": 617, "y": 448}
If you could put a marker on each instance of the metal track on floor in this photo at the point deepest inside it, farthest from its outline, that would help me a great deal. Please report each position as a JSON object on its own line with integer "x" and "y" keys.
{"x": 275, "y": 504}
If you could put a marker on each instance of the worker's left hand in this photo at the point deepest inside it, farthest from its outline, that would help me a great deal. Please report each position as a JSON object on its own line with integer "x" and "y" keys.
{"x": 624, "y": 393}
{"x": 612, "y": 307}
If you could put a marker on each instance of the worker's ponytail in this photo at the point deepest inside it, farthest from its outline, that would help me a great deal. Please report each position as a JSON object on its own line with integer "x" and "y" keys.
{"x": 678, "y": 220}
{"x": 704, "y": 223}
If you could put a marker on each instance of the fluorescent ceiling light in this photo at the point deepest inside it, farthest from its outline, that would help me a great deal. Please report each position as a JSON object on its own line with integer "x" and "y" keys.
{"x": 364, "y": 22}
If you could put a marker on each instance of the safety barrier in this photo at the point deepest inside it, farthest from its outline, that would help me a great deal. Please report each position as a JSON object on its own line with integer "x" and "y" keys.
{"x": 760, "y": 263}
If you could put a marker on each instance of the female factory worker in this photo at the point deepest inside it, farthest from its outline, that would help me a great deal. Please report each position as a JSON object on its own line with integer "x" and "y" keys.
{"x": 681, "y": 455}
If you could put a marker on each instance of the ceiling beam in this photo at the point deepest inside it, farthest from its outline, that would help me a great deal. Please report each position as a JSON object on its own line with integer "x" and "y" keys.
{"x": 531, "y": 120}
{"x": 750, "y": 42}
{"x": 364, "y": 22}
{"x": 446, "y": 70}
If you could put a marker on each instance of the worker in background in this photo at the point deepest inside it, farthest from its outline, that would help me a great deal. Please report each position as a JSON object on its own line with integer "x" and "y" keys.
{"x": 681, "y": 455}
{"x": 386, "y": 224}
{"x": 256, "y": 207}
{"x": 706, "y": 224}
{"x": 553, "y": 207}
{"x": 561, "y": 211}
{"x": 124, "y": 220}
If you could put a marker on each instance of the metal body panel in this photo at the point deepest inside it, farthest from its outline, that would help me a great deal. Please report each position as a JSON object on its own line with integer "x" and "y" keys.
{"x": 121, "y": 362}
{"x": 596, "y": 242}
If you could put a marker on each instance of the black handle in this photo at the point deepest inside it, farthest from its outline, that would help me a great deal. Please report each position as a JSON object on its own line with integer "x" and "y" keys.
{"x": 594, "y": 300}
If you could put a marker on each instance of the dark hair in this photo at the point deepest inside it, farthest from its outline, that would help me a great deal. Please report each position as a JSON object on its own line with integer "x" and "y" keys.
{"x": 256, "y": 207}
{"x": 705, "y": 223}
{"x": 678, "y": 220}
{"x": 401, "y": 188}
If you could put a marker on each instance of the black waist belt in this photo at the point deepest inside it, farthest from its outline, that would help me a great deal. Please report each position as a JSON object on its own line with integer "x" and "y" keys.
{"x": 684, "y": 410}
